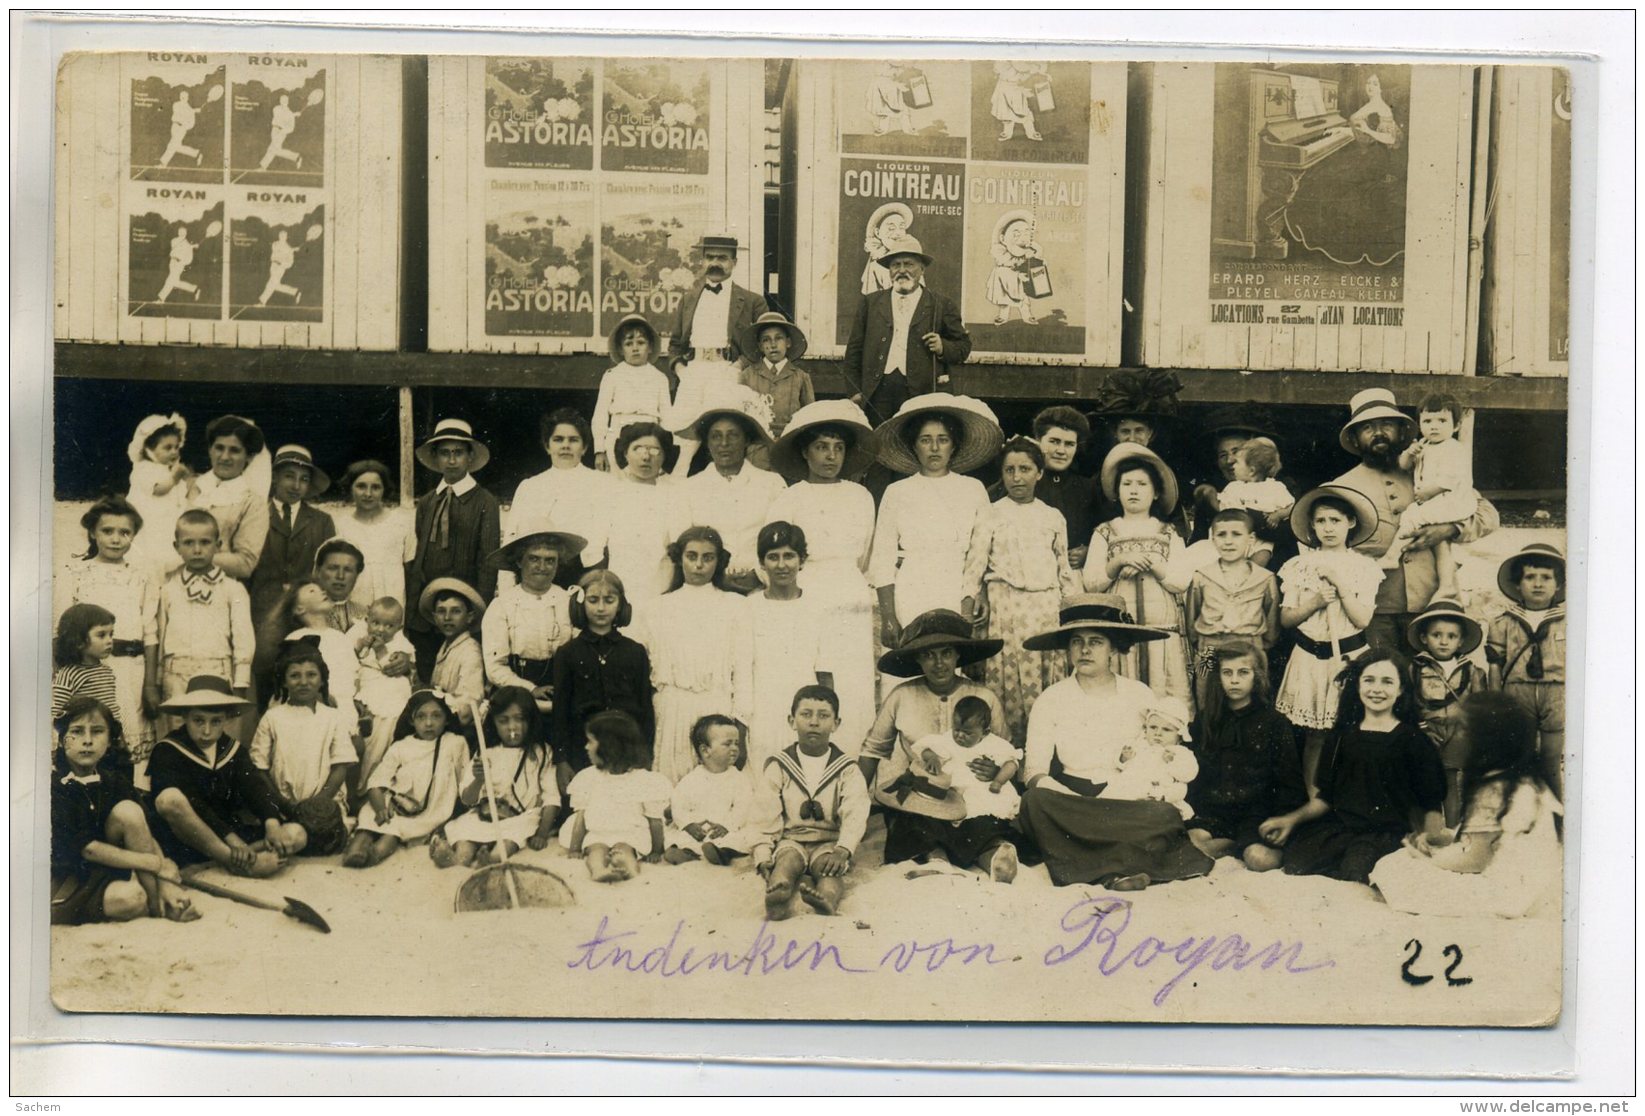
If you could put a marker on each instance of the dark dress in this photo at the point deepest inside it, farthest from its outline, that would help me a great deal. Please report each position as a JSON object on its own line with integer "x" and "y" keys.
{"x": 1249, "y": 771}
{"x": 80, "y": 815}
{"x": 593, "y": 673}
{"x": 1374, "y": 783}
{"x": 229, "y": 796}
{"x": 1350, "y": 210}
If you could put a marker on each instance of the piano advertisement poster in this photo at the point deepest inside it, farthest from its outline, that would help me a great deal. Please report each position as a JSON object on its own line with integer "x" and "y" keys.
{"x": 1024, "y": 283}
{"x": 1308, "y": 197}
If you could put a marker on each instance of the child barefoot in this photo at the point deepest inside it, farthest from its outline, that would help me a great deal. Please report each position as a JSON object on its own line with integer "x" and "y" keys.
{"x": 80, "y": 651}
{"x": 617, "y": 805}
{"x": 522, "y": 779}
{"x": 413, "y": 790}
{"x": 985, "y": 838}
{"x": 1443, "y": 482}
{"x": 815, "y": 803}
{"x": 308, "y": 747}
{"x": 1505, "y": 861}
{"x": 713, "y": 805}
{"x": 1157, "y": 766}
{"x": 376, "y": 642}
{"x": 99, "y": 832}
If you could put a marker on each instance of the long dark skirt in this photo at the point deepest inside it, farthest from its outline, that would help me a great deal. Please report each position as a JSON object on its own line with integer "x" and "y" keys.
{"x": 1097, "y": 840}
{"x": 1328, "y": 847}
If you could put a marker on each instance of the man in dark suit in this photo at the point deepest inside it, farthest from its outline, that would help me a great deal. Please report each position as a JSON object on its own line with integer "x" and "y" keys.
{"x": 295, "y": 531}
{"x": 715, "y": 312}
{"x": 905, "y": 339}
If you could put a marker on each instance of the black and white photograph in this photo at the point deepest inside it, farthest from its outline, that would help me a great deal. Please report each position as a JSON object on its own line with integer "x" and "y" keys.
{"x": 1008, "y": 537}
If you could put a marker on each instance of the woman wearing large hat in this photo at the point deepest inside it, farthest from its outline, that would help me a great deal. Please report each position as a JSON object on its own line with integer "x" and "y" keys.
{"x": 1075, "y": 733}
{"x": 1139, "y": 557}
{"x": 920, "y": 814}
{"x": 530, "y": 620}
{"x": 731, "y": 494}
{"x": 824, "y": 451}
{"x": 925, "y": 520}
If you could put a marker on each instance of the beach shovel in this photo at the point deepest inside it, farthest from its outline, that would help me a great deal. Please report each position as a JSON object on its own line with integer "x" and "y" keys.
{"x": 292, "y": 908}
{"x": 506, "y": 886}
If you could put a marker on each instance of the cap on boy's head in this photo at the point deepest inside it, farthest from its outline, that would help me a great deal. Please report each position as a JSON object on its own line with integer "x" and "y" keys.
{"x": 302, "y": 458}
{"x": 973, "y": 710}
{"x": 453, "y": 430}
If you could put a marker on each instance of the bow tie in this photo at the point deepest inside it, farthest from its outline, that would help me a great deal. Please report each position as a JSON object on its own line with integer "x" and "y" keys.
{"x": 198, "y": 586}
{"x": 715, "y": 287}
{"x": 83, "y": 780}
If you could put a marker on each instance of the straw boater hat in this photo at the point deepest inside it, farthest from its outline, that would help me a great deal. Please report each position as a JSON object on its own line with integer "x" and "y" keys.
{"x": 453, "y": 430}
{"x": 941, "y": 627}
{"x": 145, "y": 431}
{"x": 786, "y": 457}
{"x": 1367, "y": 406}
{"x": 929, "y": 795}
{"x": 507, "y": 556}
{"x": 736, "y": 401}
{"x": 1508, "y": 574}
{"x": 299, "y": 455}
{"x": 613, "y": 342}
{"x": 1127, "y": 452}
{"x": 1094, "y": 612}
{"x": 1365, "y": 514}
{"x": 907, "y": 246}
{"x": 205, "y": 691}
{"x": 715, "y": 240}
{"x": 425, "y": 603}
{"x": 1441, "y": 609}
{"x": 982, "y": 434}
{"x": 796, "y": 337}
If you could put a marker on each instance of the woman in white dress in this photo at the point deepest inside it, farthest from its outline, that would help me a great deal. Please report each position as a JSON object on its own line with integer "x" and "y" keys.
{"x": 641, "y": 501}
{"x": 731, "y": 494}
{"x": 235, "y": 491}
{"x": 383, "y": 533}
{"x": 925, "y": 520}
{"x": 825, "y": 448}
{"x": 788, "y": 648}
{"x": 567, "y": 496}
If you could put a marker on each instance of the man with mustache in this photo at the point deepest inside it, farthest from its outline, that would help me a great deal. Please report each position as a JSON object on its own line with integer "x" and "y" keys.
{"x": 1376, "y": 433}
{"x": 905, "y": 339}
{"x": 715, "y": 313}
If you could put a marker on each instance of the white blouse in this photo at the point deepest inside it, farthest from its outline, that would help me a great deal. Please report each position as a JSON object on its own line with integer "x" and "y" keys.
{"x": 573, "y": 500}
{"x": 736, "y": 506}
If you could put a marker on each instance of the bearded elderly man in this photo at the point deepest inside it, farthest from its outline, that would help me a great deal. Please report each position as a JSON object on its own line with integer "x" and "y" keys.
{"x": 1376, "y": 433}
{"x": 904, "y": 339}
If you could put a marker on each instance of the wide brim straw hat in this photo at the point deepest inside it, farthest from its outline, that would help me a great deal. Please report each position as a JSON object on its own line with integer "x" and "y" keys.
{"x": 1093, "y": 612}
{"x": 1442, "y": 609}
{"x": 1365, "y": 513}
{"x": 299, "y": 455}
{"x": 145, "y": 431}
{"x": 980, "y": 444}
{"x": 453, "y": 430}
{"x": 1009, "y": 217}
{"x": 1368, "y": 406}
{"x": 1508, "y": 574}
{"x": 886, "y": 210}
{"x": 918, "y": 797}
{"x": 507, "y": 556}
{"x": 941, "y": 627}
{"x": 907, "y": 246}
{"x": 630, "y": 321}
{"x": 425, "y": 602}
{"x": 1128, "y": 452}
{"x": 730, "y": 401}
{"x": 205, "y": 691}
{"x": 786, "y": 458}
{"x": 796, "y": 336}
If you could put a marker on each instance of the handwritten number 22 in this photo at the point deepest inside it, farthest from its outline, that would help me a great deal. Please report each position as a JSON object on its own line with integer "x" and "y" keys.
{"x": 1454, "y": 952}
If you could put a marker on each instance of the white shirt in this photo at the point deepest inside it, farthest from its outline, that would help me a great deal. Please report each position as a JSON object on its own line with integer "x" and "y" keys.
{"x": 460, "y": 488}
{"x": 571, "y": 500}
{"x": 902, "y": 316}
{"x": 736, "y": 506}
{"x": 710, "y": 323}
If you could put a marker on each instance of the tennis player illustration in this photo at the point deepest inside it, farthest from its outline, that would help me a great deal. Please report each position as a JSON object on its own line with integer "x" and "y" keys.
{"x": 282, "y": 123}
{"x": 183, "y": 116}
{"x": 182, "y": 257}
{"x": 281, "y": 255}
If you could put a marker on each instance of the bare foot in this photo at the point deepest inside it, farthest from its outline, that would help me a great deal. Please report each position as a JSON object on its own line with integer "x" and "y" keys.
{"x": 264, "y": 865}
{"x": 625, "y": 864}
{"x": 677, "y": 855}
{"x": 714, "y": 854}
{"x": 1130, "y": 883}
{"x": 816, "y": 900}
{"x": 441, "y": 852}
{"x": 176, "y": 906}
{"x": 1002, "y": 867}
{"x": 779, "y": 901}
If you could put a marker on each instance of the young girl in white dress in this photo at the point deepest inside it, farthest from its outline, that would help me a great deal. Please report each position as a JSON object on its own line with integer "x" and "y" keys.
{"x": 161, "y": 486}
{"x": 617, "y": 805}
{"x": 1443, "y": 481}
{"x": 523, "y": 780}
{"x": 702, "y": 653}
{"x": 413, "y": 791}
{"x": 787, "y": 630}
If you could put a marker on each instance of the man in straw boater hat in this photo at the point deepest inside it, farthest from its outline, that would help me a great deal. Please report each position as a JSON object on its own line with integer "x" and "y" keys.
{"x": 214, "y": 803}
{"x": 921, "y": 810}
{"x": 904, "y": 340}
{"x": 1377, "y": 432}
{"x": 458, "y": 525}
{"x": 714, "y": 316}
{"x": 1525, "y": 647}
{"x": 1445, "y": 636}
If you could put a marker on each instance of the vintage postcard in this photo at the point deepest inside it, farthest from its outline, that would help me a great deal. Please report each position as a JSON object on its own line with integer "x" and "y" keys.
{"x": 998, "y": 538}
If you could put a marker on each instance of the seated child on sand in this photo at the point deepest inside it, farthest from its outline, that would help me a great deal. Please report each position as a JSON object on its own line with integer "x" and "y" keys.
{"x": 713, "y": 805}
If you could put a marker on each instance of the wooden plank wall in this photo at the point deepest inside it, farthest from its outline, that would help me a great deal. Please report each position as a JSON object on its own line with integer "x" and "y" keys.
{"x": 1176, "y": 327}
{"x": 92, "y": 195}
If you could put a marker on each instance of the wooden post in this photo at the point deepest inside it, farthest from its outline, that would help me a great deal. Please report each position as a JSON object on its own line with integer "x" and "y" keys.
{"x": 1478, "y": 214}
{"x": 408, "y": 463}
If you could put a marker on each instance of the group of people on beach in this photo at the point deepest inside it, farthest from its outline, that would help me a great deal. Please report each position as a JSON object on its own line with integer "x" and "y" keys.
{"x": 743, "y": 659}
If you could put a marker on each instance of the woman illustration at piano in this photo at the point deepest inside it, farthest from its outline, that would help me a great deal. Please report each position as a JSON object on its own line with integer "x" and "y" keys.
{"x": 1373, "y": 122}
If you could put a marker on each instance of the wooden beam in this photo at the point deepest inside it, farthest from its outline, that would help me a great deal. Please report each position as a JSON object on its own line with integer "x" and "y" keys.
{"x": 582, "y": 372}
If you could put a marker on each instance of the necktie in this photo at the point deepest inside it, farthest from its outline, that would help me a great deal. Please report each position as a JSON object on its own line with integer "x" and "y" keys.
{"x": 715, "y": 287}
{"x": 441, "y": 536}
{"x": 285, "y": 515}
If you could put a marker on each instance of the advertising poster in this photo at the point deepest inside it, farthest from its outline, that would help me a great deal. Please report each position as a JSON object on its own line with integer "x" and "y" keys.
{"x": 919, "y": 109}
{"x": 539, "y": 113}
{"x": 647, "y": 234}
{"x": 276, "y": 262}
{"x": 1033, "y": 112}
{"x": 1559, "y": 239}
{"x": 883, "y": 200}
{"x": 174, "y": 251}
{"x": 1308, "y": 198}
{"x": 177, "y": 114}
{"x": 1024, "y": 285}
{"x": 655, "y": 116}
{"x": 277, "y": 129}
{"x": 539, "y": 258}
